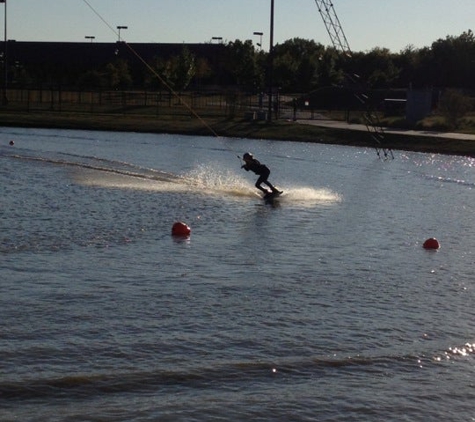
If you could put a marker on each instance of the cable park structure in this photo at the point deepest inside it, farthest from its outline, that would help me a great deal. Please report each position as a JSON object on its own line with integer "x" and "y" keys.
{"x": 339, "y": 41}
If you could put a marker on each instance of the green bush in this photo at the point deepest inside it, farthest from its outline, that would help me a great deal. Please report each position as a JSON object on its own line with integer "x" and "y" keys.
{"x": 453, "y": 105}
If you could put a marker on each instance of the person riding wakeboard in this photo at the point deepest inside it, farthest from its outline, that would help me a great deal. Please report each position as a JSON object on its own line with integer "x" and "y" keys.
{"x": 260, "y": 169}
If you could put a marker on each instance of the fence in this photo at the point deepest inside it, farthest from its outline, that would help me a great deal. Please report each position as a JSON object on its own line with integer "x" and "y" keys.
{"x": 160, "y": 104}
{"x": 157, "y": 103}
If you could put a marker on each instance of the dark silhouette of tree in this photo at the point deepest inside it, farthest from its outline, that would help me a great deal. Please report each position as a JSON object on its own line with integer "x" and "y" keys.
{"x": 177, "y": 71}
{"x": 454, "y": 59}
{"x": 92, "y": 79}
{"x": 296, "y": 65}
{"x": 241, "y": 64}
{"x": 453, "y": 105}
{"x": 117, "y": 75}
{"x": 300, "y": 66}
{"x": 203, "y": 71}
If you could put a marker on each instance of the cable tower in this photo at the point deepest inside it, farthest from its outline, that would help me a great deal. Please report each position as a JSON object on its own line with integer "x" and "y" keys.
{"x": 339, "y": 41}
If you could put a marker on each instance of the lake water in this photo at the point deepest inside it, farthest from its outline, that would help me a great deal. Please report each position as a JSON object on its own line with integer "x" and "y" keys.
{"x": 322, "y": 306}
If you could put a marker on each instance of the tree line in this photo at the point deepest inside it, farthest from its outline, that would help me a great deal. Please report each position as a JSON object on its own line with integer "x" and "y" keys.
{"x": 297, "y": 66}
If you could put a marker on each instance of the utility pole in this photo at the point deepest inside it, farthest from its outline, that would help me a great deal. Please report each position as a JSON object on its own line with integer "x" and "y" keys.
{"x": 271, "y": 60}
{"x": 5, "y": 57}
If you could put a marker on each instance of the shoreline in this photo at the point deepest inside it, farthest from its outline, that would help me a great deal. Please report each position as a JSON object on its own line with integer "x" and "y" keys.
{"x": 338, "y": 133}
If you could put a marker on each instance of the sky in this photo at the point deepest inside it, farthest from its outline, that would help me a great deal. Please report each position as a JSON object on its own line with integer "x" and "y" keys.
{"x": 367, "y": 24}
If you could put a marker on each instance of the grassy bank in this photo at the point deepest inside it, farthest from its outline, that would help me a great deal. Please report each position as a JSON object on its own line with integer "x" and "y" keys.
{"x": 279, "y": 130}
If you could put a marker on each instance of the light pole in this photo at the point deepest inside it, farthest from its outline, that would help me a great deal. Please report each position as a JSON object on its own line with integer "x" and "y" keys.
{"x": 5, "y": 61}
{"x": 119, "y": 28}
{"x": 118, "y": 40}
{"x": 90, "y": 37}
{"x": 259, "y": 34}
{"x": 271, "y": 59}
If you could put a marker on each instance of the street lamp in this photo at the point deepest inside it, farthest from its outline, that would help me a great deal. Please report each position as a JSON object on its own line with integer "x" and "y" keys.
{"x": 5, "y": 62}
{"x": 119, "y": 28}
{"x": 271, "y": 59}
{"x": 90, "y": 37}
{"x": 259, "y": 34}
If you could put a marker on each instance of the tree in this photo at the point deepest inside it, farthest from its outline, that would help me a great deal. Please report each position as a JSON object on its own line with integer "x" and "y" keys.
{"x": 19, "y": 76}
{"x": 329, "y": 72}
{"x": 241, "y": 64}
{"x": 454, "y": 59}
{"x": 92, "y": 79}
{"x": 453, "y": 105}
{"x": 203, "y": 70}
{"x": 117, "y": 75}
{"x": 296, "y": 64}
{"x": 177, "y": 71}
{"x": 181, "y": 69}
{"x": 377, "y": 68}
{"x": 409, "y": 62}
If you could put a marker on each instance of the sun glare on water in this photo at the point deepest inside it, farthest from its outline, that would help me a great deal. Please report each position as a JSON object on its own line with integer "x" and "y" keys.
{"x": 204, "y": 180}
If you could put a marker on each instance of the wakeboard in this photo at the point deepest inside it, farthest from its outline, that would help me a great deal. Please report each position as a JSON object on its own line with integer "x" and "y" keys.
{"x": 272, "y": 195}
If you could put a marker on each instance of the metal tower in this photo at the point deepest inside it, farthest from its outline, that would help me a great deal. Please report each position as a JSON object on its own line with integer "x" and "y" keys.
{"x": 339, "y": 41}
{"x": 333, "y": 26}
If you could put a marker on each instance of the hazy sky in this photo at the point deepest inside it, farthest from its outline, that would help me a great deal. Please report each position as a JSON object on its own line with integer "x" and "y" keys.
{"x": 392, "y": 24}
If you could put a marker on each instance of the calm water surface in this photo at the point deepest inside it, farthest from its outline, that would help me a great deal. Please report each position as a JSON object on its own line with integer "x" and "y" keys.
{"x": 320, "y": 307}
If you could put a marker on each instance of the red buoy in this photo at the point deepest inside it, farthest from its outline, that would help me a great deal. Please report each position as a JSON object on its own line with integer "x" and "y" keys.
{"x": 431, "y": 243}
{"x": 180, "y": 229}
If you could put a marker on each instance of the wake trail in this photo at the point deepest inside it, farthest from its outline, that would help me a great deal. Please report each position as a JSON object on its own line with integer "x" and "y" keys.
{"x": 311, "y": 195}
{"x": 205, "y": 180}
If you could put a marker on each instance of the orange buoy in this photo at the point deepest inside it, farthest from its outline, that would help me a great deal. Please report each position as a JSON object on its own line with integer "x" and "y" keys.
{"x": 431, "y": 243}
{"x": 180, "y": 229}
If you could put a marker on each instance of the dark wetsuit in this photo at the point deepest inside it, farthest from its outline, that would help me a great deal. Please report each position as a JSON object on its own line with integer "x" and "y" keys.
{"x": 262, "y": 171}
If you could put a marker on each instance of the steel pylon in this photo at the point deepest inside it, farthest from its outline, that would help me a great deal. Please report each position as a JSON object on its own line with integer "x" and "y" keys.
{"x": 339, "y": 42}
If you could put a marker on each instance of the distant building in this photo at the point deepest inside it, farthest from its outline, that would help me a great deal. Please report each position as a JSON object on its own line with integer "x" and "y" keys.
{"x": 77, "y": 57}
